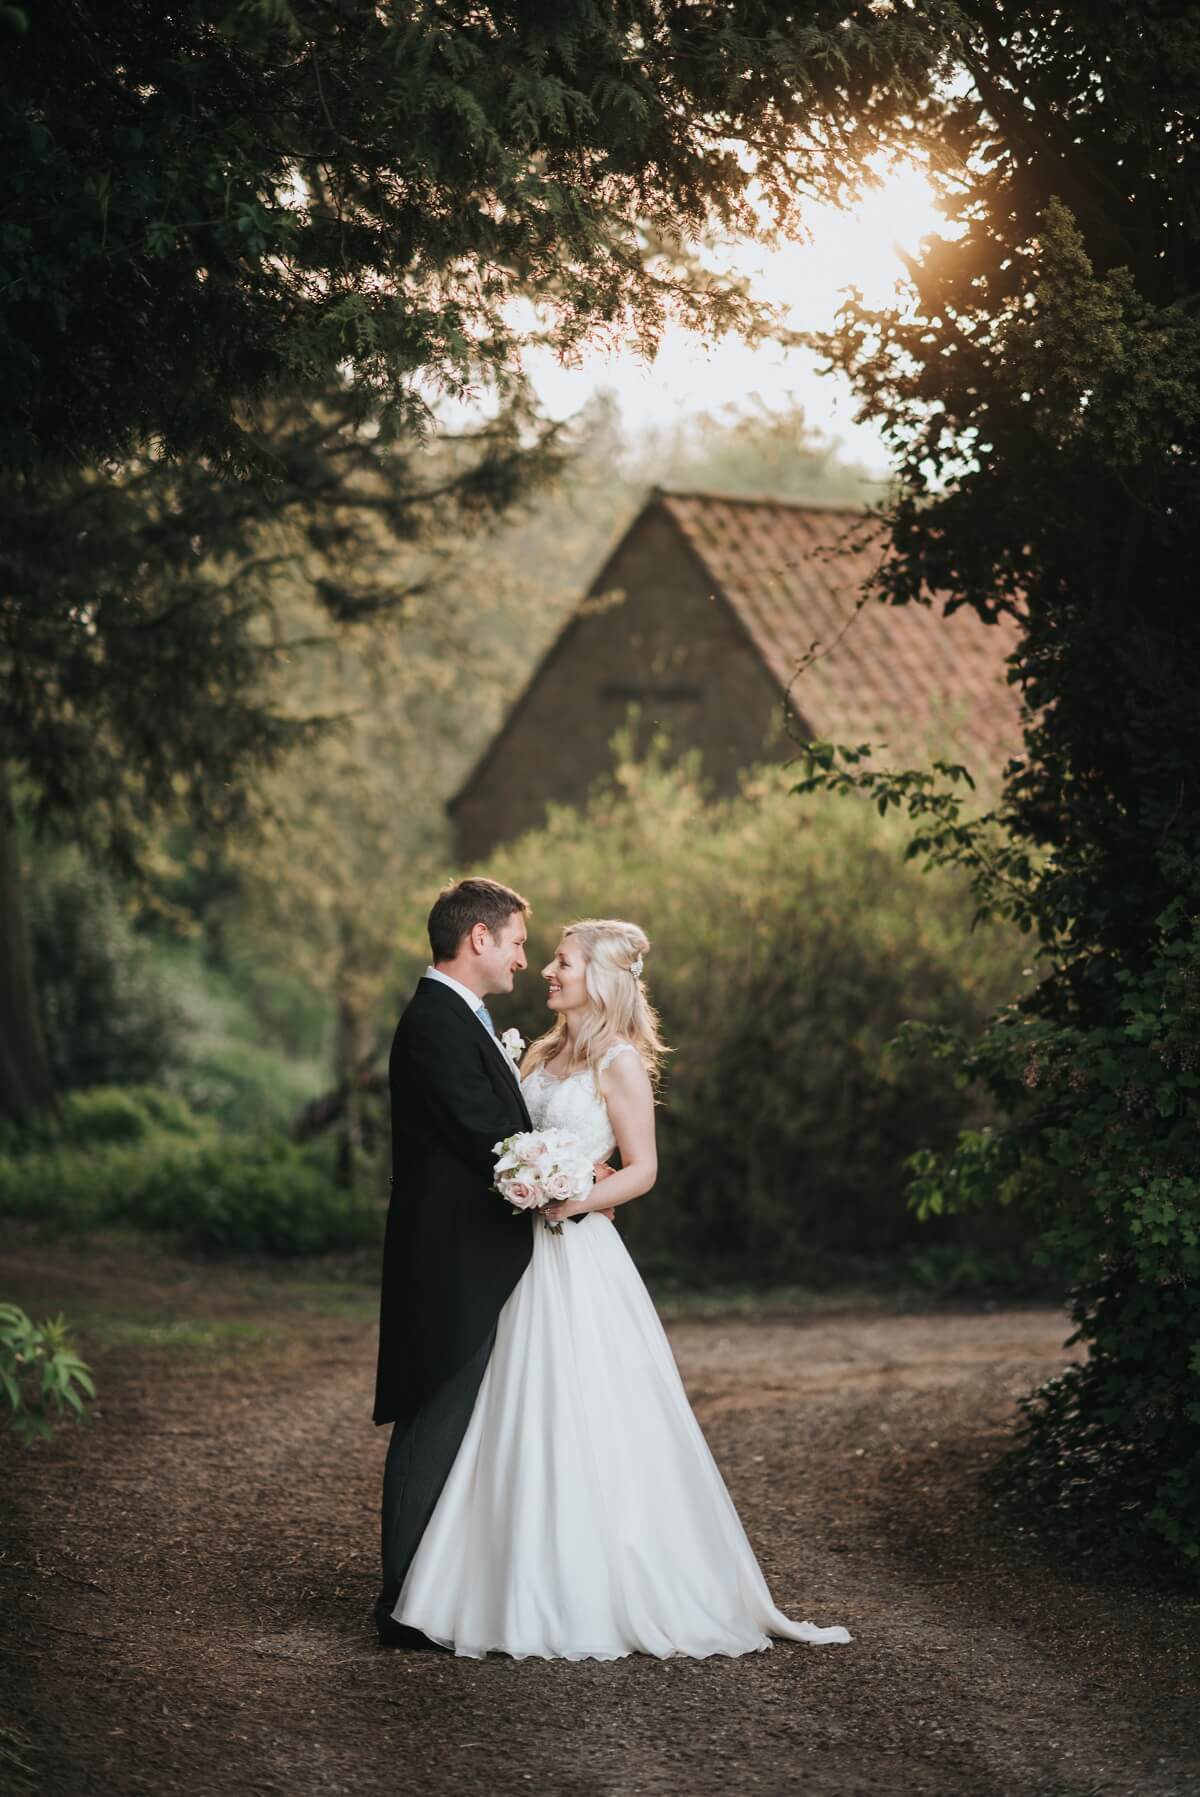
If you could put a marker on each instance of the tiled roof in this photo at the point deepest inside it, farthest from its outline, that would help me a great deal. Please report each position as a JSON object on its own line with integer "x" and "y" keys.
{"x": 792, "y": 574}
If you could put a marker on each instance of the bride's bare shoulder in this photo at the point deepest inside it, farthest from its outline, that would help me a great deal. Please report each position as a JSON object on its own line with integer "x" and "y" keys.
{"x": 622, "y": 1068}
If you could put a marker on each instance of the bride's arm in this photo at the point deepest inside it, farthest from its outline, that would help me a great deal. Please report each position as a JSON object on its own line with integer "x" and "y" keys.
{"x": 627, "y": 1091}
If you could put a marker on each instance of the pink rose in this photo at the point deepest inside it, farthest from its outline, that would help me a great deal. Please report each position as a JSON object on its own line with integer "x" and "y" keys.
{"x": 536, "y": 1151}
{"x": 559, "y": 1186}
{"x": 523, "y": 1193}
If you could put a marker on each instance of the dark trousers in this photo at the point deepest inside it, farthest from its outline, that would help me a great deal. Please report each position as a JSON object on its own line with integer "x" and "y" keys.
{"x": 419, "y": 1457}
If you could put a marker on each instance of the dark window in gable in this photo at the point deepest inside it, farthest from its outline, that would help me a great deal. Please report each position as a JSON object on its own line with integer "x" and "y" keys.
{"x": 678, "y": 691}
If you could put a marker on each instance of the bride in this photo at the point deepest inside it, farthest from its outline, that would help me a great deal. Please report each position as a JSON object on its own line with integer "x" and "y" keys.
{"x": 584, "y": 1516}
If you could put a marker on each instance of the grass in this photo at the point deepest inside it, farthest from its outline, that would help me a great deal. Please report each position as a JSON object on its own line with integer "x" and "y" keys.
{"x": 123, "y": 1294}
{"x": 144, "y": 1327}
{"x": 349, "y": 1303}
{"x": 676, "y": 1303}
{"x": 909, "y": 1279}
{"x": 103, "y": 1326}
{"x": 274, "y": 1308}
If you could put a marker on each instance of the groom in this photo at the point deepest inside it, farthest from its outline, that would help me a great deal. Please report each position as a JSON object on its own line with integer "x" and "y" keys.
{"x": 452, "y": 1253}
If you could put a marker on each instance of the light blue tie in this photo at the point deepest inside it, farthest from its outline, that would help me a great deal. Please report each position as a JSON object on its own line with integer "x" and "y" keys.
{"x": 485, "y": 1017}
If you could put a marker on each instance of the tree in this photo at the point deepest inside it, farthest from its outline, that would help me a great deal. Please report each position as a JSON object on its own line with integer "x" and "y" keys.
{"x": 217, "y": 211}
{"x": 210, "y": 203}
{"x": 758, "y": 449}
{"x": 344, "y": 827}
{"x": 1038, "y": 386}
{"x": 146, "y": 648}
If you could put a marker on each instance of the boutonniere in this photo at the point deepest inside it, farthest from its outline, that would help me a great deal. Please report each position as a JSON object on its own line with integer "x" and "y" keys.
{"x": 513, "y": 1044}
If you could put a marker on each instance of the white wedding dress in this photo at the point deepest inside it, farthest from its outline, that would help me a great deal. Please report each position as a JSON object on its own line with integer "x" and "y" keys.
{"x": 584, "y": 1516}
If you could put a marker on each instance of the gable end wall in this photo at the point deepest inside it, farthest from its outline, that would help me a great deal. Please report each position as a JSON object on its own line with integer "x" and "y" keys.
{"x": 674, "y": 642}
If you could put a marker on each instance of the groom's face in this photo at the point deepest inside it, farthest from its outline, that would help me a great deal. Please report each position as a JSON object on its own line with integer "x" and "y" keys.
{"x": 503, "y": 955}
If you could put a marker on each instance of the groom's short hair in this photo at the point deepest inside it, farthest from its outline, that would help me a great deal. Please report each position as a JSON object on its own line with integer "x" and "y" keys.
{"x": 458, "y": 908}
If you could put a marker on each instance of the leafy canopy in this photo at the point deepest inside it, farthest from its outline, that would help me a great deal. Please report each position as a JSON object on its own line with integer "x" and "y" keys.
{"x": 209, "y": 202}
{"x": 1039, "y": 387}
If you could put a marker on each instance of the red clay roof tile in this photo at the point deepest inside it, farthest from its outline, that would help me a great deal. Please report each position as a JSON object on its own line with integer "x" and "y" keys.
{"x": 906, "y": 674}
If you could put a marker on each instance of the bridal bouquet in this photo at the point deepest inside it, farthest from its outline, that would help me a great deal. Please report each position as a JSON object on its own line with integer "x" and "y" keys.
{"x": 539, "y": 1167}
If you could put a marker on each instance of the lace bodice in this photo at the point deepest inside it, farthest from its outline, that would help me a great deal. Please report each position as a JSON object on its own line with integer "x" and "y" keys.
{"x": 574, "y": 1103}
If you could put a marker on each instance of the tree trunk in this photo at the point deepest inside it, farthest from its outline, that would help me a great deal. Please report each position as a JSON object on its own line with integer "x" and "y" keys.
{"x": 25, "y": 1079}
{"x": 349, "y": 1054}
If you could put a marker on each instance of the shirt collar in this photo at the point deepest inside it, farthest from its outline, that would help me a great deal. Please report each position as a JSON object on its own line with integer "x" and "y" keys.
{"x": 464, "y": 992}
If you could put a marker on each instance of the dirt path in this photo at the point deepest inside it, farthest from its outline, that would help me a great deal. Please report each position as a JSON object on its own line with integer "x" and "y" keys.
{"x": 186, "y": 1588}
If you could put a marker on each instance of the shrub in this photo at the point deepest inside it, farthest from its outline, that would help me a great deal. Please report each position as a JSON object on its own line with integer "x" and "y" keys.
{"x": 245, "y": 1086}
{"x": 790, "y": 942}
{"x": 110, "y": 1011}
{"x": 42, "y": 1379}
{"x": 143, "y": 1159}
{"x": 121, "y": 1007}
{"x": 102, "y": 1114}
{"x": 1095, "y": 1078}
{"x": 250, "y": 1195}
{"x": 1102, "y": 1147}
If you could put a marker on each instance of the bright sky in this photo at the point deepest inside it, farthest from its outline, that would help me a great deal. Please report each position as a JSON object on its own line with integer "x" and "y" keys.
{"x": 845, "y": 248}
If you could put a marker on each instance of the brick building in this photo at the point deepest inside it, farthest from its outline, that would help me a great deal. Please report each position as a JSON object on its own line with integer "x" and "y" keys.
{"x": 699, "y": 617}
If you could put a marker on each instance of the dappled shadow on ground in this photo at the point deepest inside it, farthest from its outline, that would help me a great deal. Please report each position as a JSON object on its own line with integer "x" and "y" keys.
{"x": 187, "y": 1586}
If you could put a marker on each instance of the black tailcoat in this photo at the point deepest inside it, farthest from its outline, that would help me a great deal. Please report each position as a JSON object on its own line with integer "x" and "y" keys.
{"x": 453, "y": 1250}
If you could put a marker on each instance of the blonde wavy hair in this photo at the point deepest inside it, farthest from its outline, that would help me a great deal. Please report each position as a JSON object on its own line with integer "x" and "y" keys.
{"x": 620, "y": 1011}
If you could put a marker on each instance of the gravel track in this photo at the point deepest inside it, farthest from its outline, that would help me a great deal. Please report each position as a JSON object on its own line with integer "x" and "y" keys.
{"x": 186, "y": 1588}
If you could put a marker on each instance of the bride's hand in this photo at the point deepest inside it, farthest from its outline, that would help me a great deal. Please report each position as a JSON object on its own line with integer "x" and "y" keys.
{"x": 568, "y": 1207}
{"x": 576, "y": 1207}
